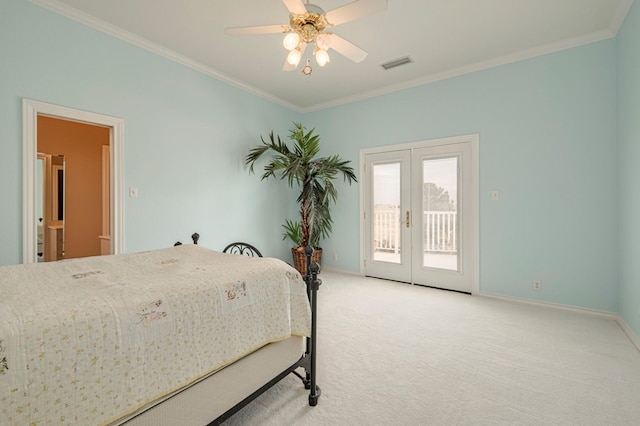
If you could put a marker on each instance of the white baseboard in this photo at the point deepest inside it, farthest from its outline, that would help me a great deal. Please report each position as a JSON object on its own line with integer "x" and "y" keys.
{"x": 592, "y": 312}
{"x": 600, "y": 314}
{"x": 341, "y": 271}
{"x": 625, "y": 327}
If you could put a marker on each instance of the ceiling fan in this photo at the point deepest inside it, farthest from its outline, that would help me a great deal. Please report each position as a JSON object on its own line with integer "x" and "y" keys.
{"x": 308, "y": 23}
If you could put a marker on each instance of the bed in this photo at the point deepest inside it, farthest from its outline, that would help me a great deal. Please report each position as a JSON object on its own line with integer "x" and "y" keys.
{"x": 183, "y": 335}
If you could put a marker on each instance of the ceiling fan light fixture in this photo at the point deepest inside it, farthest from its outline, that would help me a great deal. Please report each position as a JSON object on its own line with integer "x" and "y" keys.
{"x": 291, "y": 40}
{"x": 322, "y": 57}
{"x": 293, "y": 58}
{"x": 307, "y": 25}
{"x": 308, "y": 32}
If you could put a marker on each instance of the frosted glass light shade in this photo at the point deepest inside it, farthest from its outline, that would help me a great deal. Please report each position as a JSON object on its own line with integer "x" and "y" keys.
{"x": 291, "y": 41}
{"x": 293, "y": 58}
{"x": 322, "y": 57}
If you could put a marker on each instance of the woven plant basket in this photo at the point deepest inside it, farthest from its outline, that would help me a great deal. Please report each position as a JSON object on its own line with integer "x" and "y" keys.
{"x": 300, "y": 260}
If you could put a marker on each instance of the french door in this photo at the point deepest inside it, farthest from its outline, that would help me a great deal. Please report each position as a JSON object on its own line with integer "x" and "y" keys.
{"x": 420, "y": 213}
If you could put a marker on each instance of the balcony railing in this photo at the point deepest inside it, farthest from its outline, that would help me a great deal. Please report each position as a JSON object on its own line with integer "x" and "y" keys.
{"x": 439, "y": 233}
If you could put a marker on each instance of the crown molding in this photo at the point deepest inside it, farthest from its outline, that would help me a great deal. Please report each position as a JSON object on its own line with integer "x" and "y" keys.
{"x": 616, "y": 23}
{"x": 618, "y": 18}
{"x": 97, "y": 24}
{"x": 468, "y": 69}
{"x": 62, "y": 9}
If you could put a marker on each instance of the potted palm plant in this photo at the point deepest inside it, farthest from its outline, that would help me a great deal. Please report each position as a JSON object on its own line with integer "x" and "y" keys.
{"x": 313, "y": 176}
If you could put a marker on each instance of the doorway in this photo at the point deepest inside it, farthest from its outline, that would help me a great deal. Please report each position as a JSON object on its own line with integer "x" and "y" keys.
{"x": 420, "y": 213}
{"x": 111, "y": 170}
{"x": 74, "y": 207}
{"x": 50, "y": 206}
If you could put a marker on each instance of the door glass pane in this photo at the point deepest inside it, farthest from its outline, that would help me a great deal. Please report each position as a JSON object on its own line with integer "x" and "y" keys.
{"x": 440, "y": 213}
{"x": 386, "y": 213}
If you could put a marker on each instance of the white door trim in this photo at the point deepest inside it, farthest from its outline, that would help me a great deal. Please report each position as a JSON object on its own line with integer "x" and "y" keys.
{"x": 30, "y": 111}
{"x": 474, "y": 140}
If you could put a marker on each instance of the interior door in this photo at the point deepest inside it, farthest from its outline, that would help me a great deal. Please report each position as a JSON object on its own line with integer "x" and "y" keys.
{"x": 419, "y": 214}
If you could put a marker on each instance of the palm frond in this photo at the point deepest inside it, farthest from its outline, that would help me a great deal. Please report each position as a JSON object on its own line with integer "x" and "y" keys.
{"x": 315, "y": 176}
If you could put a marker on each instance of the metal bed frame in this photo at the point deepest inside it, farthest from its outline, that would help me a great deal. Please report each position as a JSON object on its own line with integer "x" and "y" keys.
{"x": 243, "y": 249}
{"x": 308, "y": 359}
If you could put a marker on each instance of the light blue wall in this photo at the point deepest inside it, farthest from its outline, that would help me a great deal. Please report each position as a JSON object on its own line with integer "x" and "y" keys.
{"x": 547, "y": 142}
{"x": 628, "y": 169}
{"x": 185, "y": 134}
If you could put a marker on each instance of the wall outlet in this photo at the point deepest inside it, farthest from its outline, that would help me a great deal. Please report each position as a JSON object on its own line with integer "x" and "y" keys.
{"x": 335, "y": 257}
{"x": 537, "y": 285}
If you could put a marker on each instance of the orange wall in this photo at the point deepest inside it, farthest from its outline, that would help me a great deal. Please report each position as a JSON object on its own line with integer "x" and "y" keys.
{"x": 81, "y": 145}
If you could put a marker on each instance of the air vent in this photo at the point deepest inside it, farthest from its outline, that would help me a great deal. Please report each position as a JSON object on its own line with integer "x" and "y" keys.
{"x": 397, "y": 63}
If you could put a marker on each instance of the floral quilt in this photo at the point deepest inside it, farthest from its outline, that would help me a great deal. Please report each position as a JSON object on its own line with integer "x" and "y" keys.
{"x": 87, "y": 341}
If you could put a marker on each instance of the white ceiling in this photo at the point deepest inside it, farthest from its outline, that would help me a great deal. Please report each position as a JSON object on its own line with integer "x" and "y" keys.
{"x": 443, "y": 37}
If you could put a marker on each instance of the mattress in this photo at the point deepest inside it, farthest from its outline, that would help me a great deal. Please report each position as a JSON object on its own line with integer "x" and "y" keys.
{"x": 87, "y": 341}
{"x": 211, "y": 397}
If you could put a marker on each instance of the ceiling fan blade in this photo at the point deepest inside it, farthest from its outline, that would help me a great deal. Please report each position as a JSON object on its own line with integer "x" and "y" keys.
{"x": 355, "y": 10}
{"x": 287, "y": 66}
{"x": 295, "y": 6}
{"x": 262, "y": 29}
{"x": 346, "y": 48}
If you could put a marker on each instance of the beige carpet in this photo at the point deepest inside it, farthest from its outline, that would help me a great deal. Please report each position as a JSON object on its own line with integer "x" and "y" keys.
{"x": 395, "y": 354}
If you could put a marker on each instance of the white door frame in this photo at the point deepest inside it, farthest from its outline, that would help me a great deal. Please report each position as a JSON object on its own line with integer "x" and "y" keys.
{"x": 30, "y": 111}
{"x": 474, "y": 209}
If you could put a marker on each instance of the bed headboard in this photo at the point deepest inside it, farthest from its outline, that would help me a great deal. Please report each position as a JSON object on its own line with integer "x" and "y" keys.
{"x": 195, "y": 237}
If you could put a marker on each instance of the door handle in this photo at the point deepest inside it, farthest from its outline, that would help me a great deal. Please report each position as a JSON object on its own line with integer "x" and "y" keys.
{"x": 408, "y": 219}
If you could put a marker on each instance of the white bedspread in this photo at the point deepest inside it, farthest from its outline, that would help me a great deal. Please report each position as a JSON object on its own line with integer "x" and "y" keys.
{"x": 85, "y": 341}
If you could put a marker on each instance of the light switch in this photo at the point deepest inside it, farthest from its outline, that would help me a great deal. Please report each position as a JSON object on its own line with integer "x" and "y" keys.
{"x": 133, "y": 192}
{"x": 495, "y": 195}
